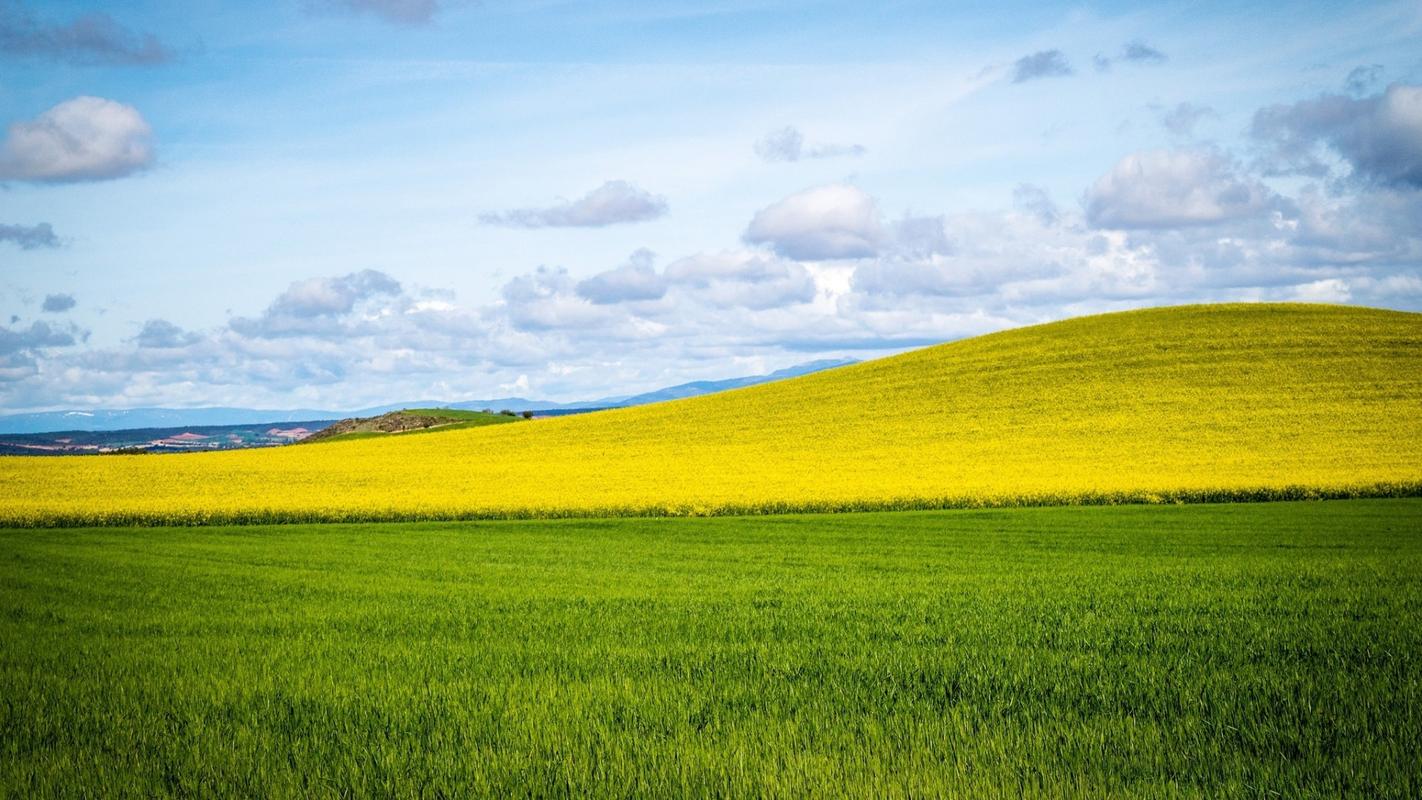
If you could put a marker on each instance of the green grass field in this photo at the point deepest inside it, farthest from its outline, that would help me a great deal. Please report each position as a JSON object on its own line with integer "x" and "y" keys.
{"x": 450, "y": 419}
{"x": 1255, "y": 650}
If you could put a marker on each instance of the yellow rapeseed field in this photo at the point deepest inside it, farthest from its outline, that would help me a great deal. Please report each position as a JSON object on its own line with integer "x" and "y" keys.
{"x": 1191, "y": 403}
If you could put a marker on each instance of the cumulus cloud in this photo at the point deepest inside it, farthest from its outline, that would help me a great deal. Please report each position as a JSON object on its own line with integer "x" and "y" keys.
{"x": 788, "y": 144}
{"x": 56, "y": 303}
{"x": 1173, "y": 188}
{"x": 612, "y": 203}
{"x": 1326, "y": 290}
{"x": 727, "y": 279}
{"x": 711, "y": 305}
{"x": 39, "y": 334}
{"x": 635, "y": 280}
{"x": 922, "y": 237}
{"x": 547, "y": 299}
{"x": 824, "y": 272}
{"x": 1365, "y": 247}
{"x": 739, "y": 278}
{"x": 29, "y": 237}
{"x": 162, "y": 334}
{"x": 420, "y": 344}
{"x": 1034, "y": 200}
{"x": 93, "y": 38}
{"x": 84, "y": 139}
{"x": 404, "y": 12}
{"x": 341, "y": 342}
{"x": 359, "y": 340}
{"x": 22, "y": 348}
{"x": 1042, "y": 64}
{"x": 1002, "y": 253}
{"x": 317, "y": 305}
{"x": 1379, "y": 137}
{"x": 323, "y": 297}
{"x": 1375, "y": 226}
{"x": 827, "y": 222}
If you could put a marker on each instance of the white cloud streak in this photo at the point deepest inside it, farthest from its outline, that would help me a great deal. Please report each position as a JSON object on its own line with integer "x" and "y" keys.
{"x": 613, "y": 203}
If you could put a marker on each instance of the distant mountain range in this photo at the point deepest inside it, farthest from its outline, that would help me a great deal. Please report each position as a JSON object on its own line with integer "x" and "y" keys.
{"x": 123, "y": 419}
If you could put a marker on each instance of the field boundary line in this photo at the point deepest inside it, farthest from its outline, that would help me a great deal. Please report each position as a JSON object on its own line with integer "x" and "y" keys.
{"x": 279, "y": 516}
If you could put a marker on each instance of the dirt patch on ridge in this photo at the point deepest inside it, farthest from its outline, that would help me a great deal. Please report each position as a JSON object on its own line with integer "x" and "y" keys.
{"x": 392, "y": 422}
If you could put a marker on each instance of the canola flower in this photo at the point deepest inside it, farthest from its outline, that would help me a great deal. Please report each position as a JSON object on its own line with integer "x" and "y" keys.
{"x": 1192, "y": 403}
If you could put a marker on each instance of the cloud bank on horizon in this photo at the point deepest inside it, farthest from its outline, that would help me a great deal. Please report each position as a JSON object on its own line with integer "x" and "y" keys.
{"x": 344, "y": 202}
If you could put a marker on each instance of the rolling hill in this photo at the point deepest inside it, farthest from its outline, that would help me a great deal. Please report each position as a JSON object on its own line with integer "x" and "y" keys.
{"x": 1213, "y": 402}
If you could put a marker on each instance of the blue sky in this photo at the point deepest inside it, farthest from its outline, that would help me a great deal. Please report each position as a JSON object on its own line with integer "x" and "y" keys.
{"x": 340, "y": 203}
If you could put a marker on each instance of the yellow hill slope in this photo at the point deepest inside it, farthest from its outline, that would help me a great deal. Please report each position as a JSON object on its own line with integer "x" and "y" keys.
{"x": 1188, "y": 403}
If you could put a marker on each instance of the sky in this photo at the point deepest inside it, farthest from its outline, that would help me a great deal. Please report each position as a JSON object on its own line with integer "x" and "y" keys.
{"x": 345, "y": 203}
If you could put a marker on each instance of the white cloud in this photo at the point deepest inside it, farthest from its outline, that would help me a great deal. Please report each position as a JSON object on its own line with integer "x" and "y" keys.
{"x": 1327, "y": 290}
{"x": 1379, "y": 137}
{"x": 788, "y": 144}
{"x": 160, "y": 333}
{"x": 742, "y": 278}
{"x": 84, "y": 139}
{"x": 829, "y": 273}
{"x": 612, "y": 203}
{"x": 1173, "y": 188}
{"x": 635, "y": 280}
{"x": 922, "y": 237}
{"x": 547, "y": 300}
{"x": 1034, "y": 200}
{"x": 1395, "y": 285}
{"x": 37, "y": 336}
{"x": 1007, "y": 257}
{"x": 827, "y": 222}
{"x": 318, "y": 305}
{"x": 635, "y": 301}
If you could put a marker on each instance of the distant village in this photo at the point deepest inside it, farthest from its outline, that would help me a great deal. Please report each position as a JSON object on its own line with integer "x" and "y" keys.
{"x": 188, "y": 440}
{"x": 157, "y": 440}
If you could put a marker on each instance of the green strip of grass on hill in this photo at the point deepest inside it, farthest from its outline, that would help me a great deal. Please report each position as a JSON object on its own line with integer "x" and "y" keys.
{"x": 494, "y": 417}
{"x": 432, "y": 420}
{"x": 1207, "y": 651}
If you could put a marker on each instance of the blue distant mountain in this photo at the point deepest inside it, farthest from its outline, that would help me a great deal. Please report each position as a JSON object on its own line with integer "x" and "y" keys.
{"x": 123, "y": 419}
{"x": 131, "y": 418}
{"x": 696, "y": 388}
